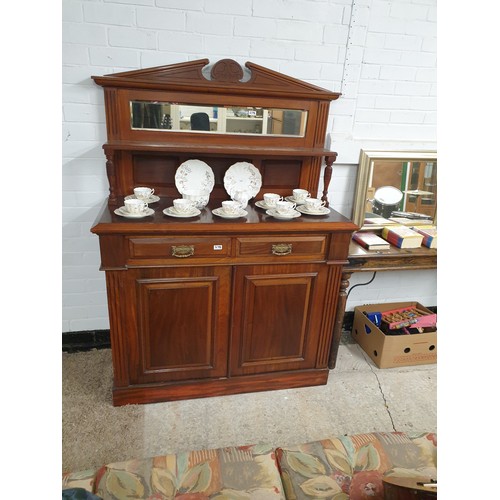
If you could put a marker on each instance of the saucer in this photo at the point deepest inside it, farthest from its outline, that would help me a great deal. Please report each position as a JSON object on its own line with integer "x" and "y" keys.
{"x": 173, "y": 213}
{"x": 220, "y": 213}
{"x": 124, "y": 213}
{"x": 293, "y": 200}
{"x": 320, "y": 211}
{"x": 152, "y": 199}
{"x": 275, "y": 214}
{"x": 263, "y": 204}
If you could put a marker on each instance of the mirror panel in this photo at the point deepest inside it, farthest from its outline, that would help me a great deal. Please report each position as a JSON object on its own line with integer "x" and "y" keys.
{"x": 247, "y": 120}
{"x": 396, "y": 181}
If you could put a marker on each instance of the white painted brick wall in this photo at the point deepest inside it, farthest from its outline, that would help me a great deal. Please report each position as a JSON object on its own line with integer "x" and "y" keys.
{"x": 380, "y": 54}
{"x": 160, "y": 19}
{"x": 392, "y": 286}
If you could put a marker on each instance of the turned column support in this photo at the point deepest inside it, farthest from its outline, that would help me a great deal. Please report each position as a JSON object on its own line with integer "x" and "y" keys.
{"x": 111, "y": 173}
{"x": 327, "y": 177}
{"x": 339, "y": 319}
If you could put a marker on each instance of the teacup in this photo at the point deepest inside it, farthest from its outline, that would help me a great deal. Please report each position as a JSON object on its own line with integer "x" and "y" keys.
{"x": 313, "y": 204}
{"x": 143, "y": 193}
{"x": 231, "y": 207}
{"x": 183, "y": 206}
{"x": 134, "y": 206}
{"x": 285, "y": 207}
{"x": 270, "y": 199}
{"x": 299, "y": 195}
{"x": 199, "y": 198}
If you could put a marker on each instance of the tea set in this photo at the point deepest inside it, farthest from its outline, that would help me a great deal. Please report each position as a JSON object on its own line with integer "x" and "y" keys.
{"x": 193, "y": 201}
{"x": 195, "y": 180}
{"x": 136, "y": 205}
{"x": 230, "y": 209}
{"x": 293, "y": 206}
{"x": 182, "y": 207}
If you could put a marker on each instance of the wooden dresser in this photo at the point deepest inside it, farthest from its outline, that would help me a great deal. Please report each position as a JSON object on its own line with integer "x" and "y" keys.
{"x": 208, "y": 306}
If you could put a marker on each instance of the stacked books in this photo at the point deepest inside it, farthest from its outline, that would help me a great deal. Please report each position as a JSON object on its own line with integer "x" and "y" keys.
{"x": 380, "y": 221}
{"x": 402, "y": 236}
{"x": 429, "y": 233}
{"x": 370, "y": 241}
{"x": 404, "y": 221}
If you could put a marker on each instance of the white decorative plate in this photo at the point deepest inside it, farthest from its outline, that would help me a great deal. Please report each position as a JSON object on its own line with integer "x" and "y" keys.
{"x": 124, "y": 213}
{"x": 152, "y": 199}
{"x": 242, "y": 176}
{"x": 275, "y": 214}
{"x": 196, "y": 175}
{"x": 173, "y": 213}
{"x": 320, "y": 211}
{"x": 220, "y": 213}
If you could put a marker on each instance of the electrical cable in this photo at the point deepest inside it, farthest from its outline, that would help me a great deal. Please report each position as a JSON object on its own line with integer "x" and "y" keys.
{"x": 361, "y": 284}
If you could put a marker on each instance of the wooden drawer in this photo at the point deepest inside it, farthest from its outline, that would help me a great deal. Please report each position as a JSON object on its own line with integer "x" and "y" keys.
{"x": 178, "y": 248}
{"x": 282, "y": 246}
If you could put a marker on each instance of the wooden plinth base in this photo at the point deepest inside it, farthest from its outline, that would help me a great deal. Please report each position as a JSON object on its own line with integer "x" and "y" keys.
{"x": 219, "y": 387}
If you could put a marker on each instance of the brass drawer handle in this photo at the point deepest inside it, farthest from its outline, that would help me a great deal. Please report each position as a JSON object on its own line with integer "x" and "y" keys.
{"x": 182, "y": 251}
{"x": 282, "y": 249}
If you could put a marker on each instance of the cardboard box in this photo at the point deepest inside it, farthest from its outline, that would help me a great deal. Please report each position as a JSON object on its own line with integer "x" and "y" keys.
{"x": 388, "y": 351}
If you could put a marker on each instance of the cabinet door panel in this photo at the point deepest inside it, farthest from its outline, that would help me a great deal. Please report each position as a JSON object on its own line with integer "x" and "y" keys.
{"x": 277, "y": 317}
{"x": 182, "y": 324}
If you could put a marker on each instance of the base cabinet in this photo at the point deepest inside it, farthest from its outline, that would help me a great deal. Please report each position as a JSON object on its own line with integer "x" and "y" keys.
{"x": 196, "y": 331}
{"x": 178, "y": 326}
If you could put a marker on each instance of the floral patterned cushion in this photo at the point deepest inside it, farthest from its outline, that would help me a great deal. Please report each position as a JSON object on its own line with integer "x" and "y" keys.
{"x": 336, "y": 468}
{"x": 245, "y": 472}
{"x": 353, "y": 466}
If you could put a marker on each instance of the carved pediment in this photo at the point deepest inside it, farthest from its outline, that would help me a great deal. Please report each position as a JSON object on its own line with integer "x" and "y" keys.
{"x": 225, "y": 76}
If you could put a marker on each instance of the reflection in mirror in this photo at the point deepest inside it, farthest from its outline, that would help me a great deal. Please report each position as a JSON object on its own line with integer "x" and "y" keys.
{"x": 148, "y": 115}
{"x": 396, "y": 185}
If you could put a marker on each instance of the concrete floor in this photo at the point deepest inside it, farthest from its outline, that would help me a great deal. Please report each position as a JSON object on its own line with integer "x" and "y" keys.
{"x": 359, "y": 397}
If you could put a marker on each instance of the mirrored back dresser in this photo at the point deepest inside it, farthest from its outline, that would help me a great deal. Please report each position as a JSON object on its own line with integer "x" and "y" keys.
{"x": 207, "y": 306}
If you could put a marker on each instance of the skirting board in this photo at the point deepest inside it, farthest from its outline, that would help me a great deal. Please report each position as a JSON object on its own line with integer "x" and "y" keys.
{"x": 85, "y": 340}
{"x": 99, "y": 339}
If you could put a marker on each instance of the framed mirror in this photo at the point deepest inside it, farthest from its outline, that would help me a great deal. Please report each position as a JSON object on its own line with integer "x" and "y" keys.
{"x": 395, "y": 185}
{"x": 247, "y": 120}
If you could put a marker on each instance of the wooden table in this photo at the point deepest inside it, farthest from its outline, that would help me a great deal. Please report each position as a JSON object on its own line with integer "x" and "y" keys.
{"x": 407, "y": 488}
{"x": 361, "y": 260}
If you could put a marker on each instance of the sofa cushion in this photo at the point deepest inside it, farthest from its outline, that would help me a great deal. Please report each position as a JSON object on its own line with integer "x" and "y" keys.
{"x": 353, "y": 466}
{"x": 243, "y": 472}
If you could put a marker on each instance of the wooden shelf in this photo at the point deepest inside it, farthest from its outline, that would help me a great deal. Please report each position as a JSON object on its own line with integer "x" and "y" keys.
{"x": 214, "y": 148}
